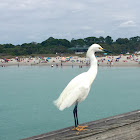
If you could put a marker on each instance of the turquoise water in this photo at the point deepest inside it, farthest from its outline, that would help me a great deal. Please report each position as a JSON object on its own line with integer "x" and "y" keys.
{"x": 27, "y": 94}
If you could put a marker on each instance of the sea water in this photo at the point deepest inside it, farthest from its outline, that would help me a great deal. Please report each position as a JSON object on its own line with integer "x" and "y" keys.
{"x": 27, "y": 94}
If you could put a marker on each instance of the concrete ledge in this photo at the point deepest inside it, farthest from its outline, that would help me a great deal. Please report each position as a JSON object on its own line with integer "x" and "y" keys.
{"x": 121, "y": 127}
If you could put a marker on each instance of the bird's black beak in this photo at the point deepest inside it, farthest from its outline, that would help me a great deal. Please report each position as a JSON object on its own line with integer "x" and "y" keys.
{"x": 106, "y": 51}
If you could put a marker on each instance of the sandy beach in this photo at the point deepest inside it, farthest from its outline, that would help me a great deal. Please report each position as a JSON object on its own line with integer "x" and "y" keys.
{"x": 121, "y": 60}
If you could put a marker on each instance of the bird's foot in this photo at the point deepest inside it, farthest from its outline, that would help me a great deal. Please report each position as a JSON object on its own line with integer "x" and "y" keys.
{"x": 80, "y": 128}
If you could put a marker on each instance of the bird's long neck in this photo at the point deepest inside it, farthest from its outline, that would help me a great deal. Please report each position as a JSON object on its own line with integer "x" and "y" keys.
{"x": 93, "y": 62}
{"x": 93, "y": 67}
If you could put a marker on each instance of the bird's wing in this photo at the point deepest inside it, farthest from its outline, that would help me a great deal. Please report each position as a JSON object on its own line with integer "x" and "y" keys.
{"x": 79, "y": 85}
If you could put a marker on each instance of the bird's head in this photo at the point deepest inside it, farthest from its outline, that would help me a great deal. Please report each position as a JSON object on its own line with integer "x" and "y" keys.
{"x": 94, "y": 48}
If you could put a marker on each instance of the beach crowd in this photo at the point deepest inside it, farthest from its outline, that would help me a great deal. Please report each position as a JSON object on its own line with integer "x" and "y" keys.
{"x": 121, "y": 60}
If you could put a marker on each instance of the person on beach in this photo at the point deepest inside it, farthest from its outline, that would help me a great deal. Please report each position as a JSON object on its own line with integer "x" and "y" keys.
{"x": 112, "y": 63}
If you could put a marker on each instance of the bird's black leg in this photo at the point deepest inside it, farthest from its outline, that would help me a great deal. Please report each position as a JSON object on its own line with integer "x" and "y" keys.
{"x": 75, "y": 116}
{"x": 77, "y": 127}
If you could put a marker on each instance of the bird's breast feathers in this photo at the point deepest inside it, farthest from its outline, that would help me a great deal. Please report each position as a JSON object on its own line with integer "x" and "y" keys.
{"x": 78, "y": 84}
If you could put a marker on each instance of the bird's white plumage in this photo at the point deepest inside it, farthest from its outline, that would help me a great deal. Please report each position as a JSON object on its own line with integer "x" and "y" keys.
{"x": 79, "y": 87}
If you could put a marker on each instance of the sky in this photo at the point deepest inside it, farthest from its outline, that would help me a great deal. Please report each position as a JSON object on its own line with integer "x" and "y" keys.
{"x": 25, "y": 21}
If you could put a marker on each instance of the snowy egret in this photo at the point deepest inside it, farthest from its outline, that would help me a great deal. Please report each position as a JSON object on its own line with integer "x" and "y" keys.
{"x": 79, "y": 87}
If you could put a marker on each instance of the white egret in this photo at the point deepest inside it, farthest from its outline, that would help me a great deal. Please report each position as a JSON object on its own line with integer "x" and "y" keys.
{"x": 78, "y": 88}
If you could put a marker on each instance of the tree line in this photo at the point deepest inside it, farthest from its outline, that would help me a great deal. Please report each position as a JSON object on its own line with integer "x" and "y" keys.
{"x": 53, "y": 46}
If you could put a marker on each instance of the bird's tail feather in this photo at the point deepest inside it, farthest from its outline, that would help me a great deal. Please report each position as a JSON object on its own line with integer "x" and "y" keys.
{"x": 58, "y": 103}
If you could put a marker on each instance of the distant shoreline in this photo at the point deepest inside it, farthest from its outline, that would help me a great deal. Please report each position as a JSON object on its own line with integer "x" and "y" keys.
{"x": 109, "y": 61}
{"x": 71, "y": 64}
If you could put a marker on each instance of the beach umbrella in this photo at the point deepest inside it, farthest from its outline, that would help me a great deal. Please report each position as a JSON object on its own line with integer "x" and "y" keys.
{"x": 105, "y": 53}
{"x": 63, "y": 58}
{"x": 67, "y": 58}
